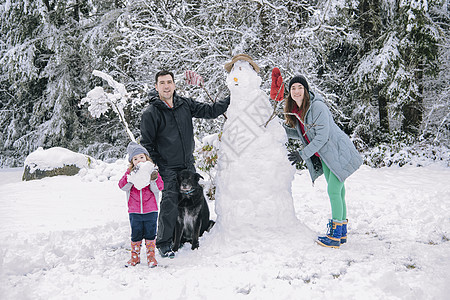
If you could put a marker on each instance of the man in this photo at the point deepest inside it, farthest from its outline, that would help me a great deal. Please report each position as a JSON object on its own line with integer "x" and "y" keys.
{"x": 168, "y": 135}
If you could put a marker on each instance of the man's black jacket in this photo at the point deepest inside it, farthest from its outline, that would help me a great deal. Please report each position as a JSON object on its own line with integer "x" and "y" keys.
{"x": 168, "y": 133}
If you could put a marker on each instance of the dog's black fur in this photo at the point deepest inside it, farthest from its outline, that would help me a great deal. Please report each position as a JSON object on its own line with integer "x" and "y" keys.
{"x": 193, "y": 212}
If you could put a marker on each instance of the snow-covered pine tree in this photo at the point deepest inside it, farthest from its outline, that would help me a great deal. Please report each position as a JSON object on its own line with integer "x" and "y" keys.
{"x": 44, "y": 73}
{"x": 436, "y": 121}
{"x": 418, "y": 49}
{"x": 368, "y": 58}
{"x": 398, "y": 52}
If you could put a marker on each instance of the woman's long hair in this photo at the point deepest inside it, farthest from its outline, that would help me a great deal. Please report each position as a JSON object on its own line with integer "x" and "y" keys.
{"x": 291, "y": 104}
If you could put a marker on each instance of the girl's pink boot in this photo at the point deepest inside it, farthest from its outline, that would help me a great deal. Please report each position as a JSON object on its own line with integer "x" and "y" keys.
{"x": 151, "y": 260}
{"x": 135, "y": 253}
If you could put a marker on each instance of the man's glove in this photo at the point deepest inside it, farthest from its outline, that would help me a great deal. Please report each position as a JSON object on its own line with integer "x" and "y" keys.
{"x": 277, "y": 87}
{"x": 193, "y": 78}
{"x": 295, "y": 157}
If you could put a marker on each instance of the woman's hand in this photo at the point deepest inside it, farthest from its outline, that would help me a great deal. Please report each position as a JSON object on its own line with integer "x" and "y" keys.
{"x": 295, "y": 157}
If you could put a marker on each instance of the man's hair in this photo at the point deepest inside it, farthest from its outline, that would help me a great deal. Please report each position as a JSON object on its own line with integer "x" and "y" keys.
{"x": 162, "y": 73}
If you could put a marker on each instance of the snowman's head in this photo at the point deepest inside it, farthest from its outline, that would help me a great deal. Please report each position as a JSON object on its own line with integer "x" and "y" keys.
{"x": 243, "y": 77}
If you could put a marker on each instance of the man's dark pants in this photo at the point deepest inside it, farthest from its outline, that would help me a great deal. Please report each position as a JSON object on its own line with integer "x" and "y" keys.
{"x": 168, "y": 211}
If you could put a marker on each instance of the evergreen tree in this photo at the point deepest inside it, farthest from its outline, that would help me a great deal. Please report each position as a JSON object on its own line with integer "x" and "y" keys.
{"x": 45, "y": 68}
{"x": 418, "y": 51}
{"x": 381, "y": 65}
{"x": 390, "y": 72}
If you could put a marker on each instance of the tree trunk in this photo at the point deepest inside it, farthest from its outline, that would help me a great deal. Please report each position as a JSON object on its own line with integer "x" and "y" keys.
{"x": 412, "y": 117}
{"x": 49, "y": 6}
{"x": 369, "y": 14}
{"x": 76, "y": 11}
{"x": 265, "y": 30}
{"x": 382, "y": 110}
{"x": 413, "y": 111}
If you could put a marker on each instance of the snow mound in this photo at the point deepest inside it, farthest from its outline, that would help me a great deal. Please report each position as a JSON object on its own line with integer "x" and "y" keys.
{"x": 102, "y": 171}
{"x": 56, "y": 157}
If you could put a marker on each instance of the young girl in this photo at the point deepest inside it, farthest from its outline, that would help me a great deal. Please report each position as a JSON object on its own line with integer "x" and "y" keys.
{"x": 327, "y": 150}
{"x": 142, "y": 206}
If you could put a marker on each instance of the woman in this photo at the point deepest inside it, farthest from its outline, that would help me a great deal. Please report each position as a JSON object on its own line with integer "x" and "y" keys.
{"x": 327, "y": 150}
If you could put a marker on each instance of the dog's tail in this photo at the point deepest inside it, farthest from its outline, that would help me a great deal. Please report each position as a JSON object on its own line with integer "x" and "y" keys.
{"x": 210, "y": 225}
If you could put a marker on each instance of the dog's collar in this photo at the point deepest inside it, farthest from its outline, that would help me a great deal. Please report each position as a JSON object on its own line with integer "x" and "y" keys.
{"x": 187, "y": 192}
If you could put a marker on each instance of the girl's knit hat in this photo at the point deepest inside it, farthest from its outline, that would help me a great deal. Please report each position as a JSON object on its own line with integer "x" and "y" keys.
{"x": 134, "y": 149}
{"x": 299, "y": 79}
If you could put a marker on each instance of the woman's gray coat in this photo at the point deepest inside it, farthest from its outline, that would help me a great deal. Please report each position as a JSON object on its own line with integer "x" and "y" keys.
{"x": 328, "y": 140}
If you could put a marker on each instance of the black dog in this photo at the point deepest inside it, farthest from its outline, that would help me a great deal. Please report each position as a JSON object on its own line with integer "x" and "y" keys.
{"x": 193, "y": 211}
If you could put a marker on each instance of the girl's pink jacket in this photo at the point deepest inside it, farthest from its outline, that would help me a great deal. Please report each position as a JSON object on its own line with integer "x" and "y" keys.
{"x": 140, "y": 201}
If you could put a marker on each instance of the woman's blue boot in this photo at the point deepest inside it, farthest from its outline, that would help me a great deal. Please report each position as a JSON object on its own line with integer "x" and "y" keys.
{"x": 333, "y": 237}
{"x": 344, "y": 232}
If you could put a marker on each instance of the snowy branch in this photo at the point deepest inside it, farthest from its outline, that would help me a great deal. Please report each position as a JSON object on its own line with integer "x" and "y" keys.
{"x": 100, "y": 101}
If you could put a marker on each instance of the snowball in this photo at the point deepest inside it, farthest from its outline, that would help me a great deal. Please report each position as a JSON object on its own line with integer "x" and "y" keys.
{"x": 140, "y": 177}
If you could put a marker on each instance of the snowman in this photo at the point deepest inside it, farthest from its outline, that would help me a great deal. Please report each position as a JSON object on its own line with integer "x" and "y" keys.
{"x": 254, "y": 178}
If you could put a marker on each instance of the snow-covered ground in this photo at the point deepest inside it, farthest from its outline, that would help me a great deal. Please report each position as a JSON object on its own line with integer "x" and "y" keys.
{"x": 68, "y": 238}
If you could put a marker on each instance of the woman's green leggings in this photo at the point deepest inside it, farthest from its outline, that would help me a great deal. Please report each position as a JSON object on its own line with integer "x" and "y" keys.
{"x": 336, "y": 192}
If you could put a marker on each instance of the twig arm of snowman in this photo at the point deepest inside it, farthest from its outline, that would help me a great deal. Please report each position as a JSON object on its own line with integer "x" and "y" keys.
{"x": 192, "y": 78}
{"x": 306, "y": 126}
{"x": 298, "y": 118}
{"x": 276, "y": 92}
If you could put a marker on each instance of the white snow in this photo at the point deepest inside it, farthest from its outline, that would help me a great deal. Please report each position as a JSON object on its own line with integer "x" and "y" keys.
{"x": 98, "y": 101}
{"x": 68, "y": 238}
{"x": 140, "y": 177}
{"x": 55, "y": 157}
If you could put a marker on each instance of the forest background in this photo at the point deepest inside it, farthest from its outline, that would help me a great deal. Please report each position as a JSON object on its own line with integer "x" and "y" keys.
{"x": 382, "y": 66}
